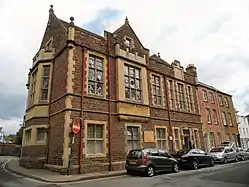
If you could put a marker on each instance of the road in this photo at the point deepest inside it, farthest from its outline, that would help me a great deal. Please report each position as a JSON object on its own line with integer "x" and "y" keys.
{"x": 230, "y": 175}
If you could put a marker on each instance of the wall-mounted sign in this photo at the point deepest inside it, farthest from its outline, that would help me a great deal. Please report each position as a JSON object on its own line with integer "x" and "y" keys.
{"x": 149, "y": 137}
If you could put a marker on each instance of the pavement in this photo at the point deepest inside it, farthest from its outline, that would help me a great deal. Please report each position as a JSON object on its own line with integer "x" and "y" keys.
{"x": 229, "y": 175}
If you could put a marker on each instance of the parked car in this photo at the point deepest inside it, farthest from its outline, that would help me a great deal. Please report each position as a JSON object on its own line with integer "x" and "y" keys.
{"x": 193, "y": 158}
{"x": 242, "y": 154}
{"x": 149, "y": 161}
{"x": 224, "y": 154}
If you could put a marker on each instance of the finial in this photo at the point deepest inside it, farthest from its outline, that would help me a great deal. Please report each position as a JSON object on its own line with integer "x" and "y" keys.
{"x": 126, "y": 20}
{"x": 72, "y": 20}
{"x": 51, "y": 8}
{"x": 158, "y": 54}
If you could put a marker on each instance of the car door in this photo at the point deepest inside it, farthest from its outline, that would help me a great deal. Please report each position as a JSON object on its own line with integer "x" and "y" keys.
{"x": 155, "y": 159}
{"x": 233, "y": 154}
{"x": 166, "y": 159}
{"x": 198, "y": 156}
{"x": 227, "y": 154}
{"x": 205, "y": 157}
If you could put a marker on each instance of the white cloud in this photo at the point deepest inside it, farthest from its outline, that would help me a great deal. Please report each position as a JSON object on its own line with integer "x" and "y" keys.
{"x": 212, "y": 34}
{"x": 11, "y": 125}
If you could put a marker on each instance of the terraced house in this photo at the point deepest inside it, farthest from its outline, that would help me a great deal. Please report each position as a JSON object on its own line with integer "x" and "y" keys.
{"x": 218, "y": 116}
{"x": 123, "y": 97}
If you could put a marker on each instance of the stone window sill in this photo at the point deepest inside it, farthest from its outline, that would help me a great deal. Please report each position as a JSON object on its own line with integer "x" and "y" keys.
{"x": 95, "y": 155}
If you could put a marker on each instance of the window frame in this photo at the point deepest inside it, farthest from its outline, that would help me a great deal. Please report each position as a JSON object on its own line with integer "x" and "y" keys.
{"x": 158, "y": 89}
{"x": 42, "y": 82}
{"x": 104, "y": 139}
{"x": 220, "y": 100}
{"x": 226, "y": 102}
{"x": 190, "y": 95}
{"x": 230, "y": 121}
{"x": 129, "y": 77}
{"x": 208, "y": 115}
{"x": 32, "y": 94}
{"x": 211, "y": 95}
{"x": 181, "y": 96}
{"x": 204, "y": 95}
{"x": 138, "y": 140}
{"x": 161, "y": 140}
{"x": 215, "y": 116}
{"x": 95, "y": 69}
{"x": 223, "y": 116}
{"x": 178, "y": 139}
{"x": 196, "y": 138}
{"x": 44, "y": 136}
{"x": 171, "y": 94}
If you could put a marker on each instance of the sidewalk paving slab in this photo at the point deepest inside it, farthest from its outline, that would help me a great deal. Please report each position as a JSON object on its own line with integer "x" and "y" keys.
{"x": 54, "y": 177}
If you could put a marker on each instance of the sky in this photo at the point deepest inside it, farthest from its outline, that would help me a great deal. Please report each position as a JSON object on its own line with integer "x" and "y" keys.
{"x": 212, "y": 34}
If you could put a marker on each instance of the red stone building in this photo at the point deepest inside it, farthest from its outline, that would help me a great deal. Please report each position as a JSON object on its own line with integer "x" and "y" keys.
{"x": 123, "y": 97}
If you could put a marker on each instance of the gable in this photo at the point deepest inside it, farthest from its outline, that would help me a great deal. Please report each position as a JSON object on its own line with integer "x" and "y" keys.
{"x": 128, "y": 40}
{"x": 56, "y": 30}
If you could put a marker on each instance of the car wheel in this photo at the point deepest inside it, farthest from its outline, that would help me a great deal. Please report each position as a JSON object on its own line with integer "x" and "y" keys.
{"x": 236, "y": 159}
{"x": 150, "y": 171}
{"x": 175, "y": 168}
{"x": 195, "y": 165}
{"x": 211, "y": 162}
{"x": 225, "y": 160}
{"x": 242, "y": 158}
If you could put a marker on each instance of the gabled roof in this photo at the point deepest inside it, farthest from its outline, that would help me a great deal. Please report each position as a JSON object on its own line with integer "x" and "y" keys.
{"x": 158, "y": 59}
{"x": 128, "y": 24}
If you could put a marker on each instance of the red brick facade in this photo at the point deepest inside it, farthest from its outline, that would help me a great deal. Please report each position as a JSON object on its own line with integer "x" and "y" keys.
{"x": 177, "y": 112}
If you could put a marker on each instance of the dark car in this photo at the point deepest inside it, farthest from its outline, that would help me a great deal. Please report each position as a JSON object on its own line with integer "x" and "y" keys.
{"x": 193, "y": 158}
{"x": 149, "y": 161}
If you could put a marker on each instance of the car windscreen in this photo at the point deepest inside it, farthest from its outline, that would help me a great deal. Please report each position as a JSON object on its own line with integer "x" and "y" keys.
{"x": 217, "y": 150}
{"x": 134, "y": 154}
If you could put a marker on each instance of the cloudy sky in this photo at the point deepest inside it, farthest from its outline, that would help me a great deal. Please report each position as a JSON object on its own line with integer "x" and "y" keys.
{"x": 212, "y": 34}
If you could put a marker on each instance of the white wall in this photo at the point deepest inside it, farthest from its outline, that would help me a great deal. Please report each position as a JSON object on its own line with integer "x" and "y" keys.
{"x": 243, "y": 130}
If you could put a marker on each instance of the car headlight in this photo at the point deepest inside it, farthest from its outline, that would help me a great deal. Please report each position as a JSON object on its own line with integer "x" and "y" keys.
{"x": 219, "y": 156}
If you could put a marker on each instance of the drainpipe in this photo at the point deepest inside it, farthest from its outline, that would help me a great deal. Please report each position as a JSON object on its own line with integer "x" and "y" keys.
{"x": 81, "y": 111}
{"x": 168, "y": 107}
{"x": 49, "y": 119}
{"x": 109, "y": 102}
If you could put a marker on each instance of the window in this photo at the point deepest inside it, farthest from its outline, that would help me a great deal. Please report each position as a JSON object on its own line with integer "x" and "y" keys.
{"x": 208, "y": 115}
{"x": 132, "y": 83}
{"x": 212, "y": 143}
{"x": 215, "y": 117}
{"x": 181, "y": 96}
{"x": 224, "y": 120}
{"x": 211, "y": 97}
{"x": 204, "y": 93}
{"x": 218, "y": 138}
{"x": 95, "y": 78}
{"x": 40, "y": 136}
{"x": 132, "y": 138}
{"x": 226, "y": 102}
{"x": 220, "y": 100}
{"x": 161, "y": 138}
{"x": 228, "y": 137}
{"x": 230, "y": 119}
{"x": 95, "y": 139}
{"x": 157, "y": 91}
{"x": 196, "y": 137}
{"x": 177, "y": 139}
{"x": 171, "y": 95}
{"x": 191, "y": 106}
{"x": 128, "y": 42}
{"x": 27, "y": 136}
{"x": 33, "y": 87}
{"x": 45, "y": 82}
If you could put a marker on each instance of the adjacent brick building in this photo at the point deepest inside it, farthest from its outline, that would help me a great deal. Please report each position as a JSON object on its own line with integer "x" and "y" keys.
{"x": 217, "y": 115}
{"x": 123, "y": 97}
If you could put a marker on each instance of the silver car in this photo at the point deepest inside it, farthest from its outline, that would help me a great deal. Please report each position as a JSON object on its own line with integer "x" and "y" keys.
{"x": 224, "y": 154}
{"x": 242, "y": 154}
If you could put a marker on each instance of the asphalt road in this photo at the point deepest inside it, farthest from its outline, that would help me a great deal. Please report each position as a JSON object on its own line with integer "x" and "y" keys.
{"x": 230, "y": 175}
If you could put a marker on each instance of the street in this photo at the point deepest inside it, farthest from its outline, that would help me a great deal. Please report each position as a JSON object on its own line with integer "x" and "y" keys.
{"x": 229, "y": 175}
